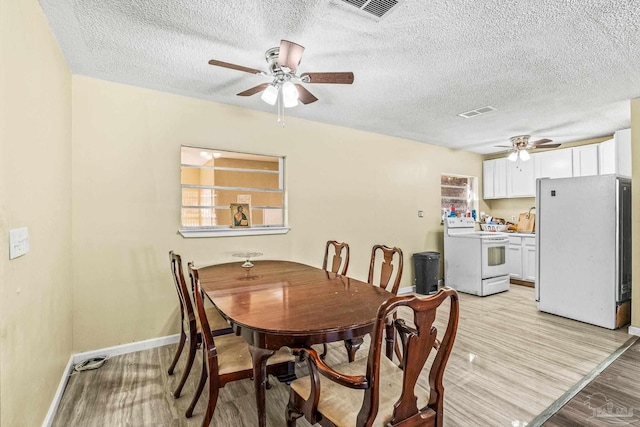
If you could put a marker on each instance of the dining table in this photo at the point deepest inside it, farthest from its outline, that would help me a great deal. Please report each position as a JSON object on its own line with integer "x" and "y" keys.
{"x": 278, "y": 304}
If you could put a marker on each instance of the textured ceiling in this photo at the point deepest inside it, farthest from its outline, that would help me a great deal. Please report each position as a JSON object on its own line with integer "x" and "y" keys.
{"x": 563, "y": 70}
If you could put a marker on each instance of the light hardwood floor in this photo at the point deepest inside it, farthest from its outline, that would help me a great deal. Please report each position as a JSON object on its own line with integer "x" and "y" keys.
{"x": 509, "y": 363}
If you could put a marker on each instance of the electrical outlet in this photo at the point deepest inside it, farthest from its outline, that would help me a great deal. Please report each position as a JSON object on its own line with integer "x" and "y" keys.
{"x": 513, "y": 218}
{"x": 420, "y": 214}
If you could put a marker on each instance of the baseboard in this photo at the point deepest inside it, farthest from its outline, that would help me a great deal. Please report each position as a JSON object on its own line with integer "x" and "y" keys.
{"x": 407, "y": 290}
{"x": 127, "y": 348}
{"x": 108, "y": 352}
{"x": 48, "y": 419}
{"x": 634, "y": 330}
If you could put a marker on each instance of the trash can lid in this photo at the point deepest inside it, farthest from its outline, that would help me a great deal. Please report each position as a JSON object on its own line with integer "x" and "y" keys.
{"x": 429, "y": 254}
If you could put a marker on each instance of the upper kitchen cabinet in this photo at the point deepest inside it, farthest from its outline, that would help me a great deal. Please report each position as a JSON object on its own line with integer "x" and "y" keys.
{"x": 585, "y": 160}
{"x": 521, "y": 181}
{"x": 553, "y": 164}
{"x": 494, "y": 178}
{"x": 615, "y": 154}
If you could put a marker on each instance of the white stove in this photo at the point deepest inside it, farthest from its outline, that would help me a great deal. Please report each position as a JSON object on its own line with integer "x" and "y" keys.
{"x": 475, "y": 262}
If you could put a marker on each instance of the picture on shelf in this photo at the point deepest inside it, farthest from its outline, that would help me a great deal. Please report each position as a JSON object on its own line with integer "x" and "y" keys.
{"x": 240, "y": 215}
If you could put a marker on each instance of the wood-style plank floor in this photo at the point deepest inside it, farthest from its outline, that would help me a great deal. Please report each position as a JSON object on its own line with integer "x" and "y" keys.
{"x": 612, "y": 398}
{"x": 509, "y": 363}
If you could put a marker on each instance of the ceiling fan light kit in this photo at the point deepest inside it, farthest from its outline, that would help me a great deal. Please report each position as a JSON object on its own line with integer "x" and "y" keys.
{"x": 520, "y": 147}
{"x": 286, "y": 87}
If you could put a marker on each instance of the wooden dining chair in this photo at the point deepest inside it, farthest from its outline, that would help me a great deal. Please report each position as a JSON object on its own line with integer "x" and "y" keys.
{"x": 226, "y": 358}
{"x": 337, "y": 248}
{"x": 190, "y": 328}
{"x": 382, "y": 276}
{"x": 375, "y": 390}
{"x": 337, "y": 260}
{"x": 381, "y": 271}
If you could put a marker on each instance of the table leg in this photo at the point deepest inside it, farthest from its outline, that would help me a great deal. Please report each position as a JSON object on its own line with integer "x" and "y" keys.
{"x": 260, "y": 356}
{"x": 352, "y": 345}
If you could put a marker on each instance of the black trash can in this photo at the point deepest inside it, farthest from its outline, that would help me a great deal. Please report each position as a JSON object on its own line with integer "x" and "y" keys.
{"x": 426, "y": 266}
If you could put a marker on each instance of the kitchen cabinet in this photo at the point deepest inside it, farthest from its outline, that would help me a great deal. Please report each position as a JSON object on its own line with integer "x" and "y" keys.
{"x": 521, "y": 260}
{"x": 494, "y": 178}
{"x": 553, "y": 164}
{"x": 529, "y": 259}
{"x": 521, "y": 181}
{"x": 615, "y": 154}
{"x": 585, "y": 160}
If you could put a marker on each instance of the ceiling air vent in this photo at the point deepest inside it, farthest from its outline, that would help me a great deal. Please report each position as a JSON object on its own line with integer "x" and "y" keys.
{"x": 477, "y": 112}
{"x": 378, "y": 8}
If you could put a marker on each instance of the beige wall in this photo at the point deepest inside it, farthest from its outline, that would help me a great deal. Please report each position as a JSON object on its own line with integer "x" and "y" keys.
{"x": 342, "y": 184}
{"x": 35, "y": 192}
{"x": 508, "y": 208}
{"x": 635, "y": 226}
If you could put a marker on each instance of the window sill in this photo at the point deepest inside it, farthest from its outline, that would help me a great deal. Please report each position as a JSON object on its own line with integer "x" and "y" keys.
{"x": 231, "y": 232}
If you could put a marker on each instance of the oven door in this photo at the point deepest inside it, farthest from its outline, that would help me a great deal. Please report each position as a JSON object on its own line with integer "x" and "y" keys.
{"x": 494, "y": 257}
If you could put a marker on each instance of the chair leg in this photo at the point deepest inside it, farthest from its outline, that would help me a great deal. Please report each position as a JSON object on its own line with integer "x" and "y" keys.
{"x": 187, "y": 369}
{"x": 183, "y": 338}
{"x": 211, "y": 405}
{"x": 196, "y": 396}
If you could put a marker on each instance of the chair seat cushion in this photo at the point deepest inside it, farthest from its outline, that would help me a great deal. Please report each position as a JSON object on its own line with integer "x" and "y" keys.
{"x": 341, "y": 405}
{"x": 216, "y": 321}
{"x": 234, "y": 356}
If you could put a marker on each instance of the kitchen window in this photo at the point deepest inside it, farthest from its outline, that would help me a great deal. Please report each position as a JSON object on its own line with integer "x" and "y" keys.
{"x": 459, "y": 191}
{"x": 212, "y": 180}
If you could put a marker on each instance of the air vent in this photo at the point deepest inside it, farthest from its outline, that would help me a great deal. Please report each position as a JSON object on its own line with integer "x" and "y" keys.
{"x": 378, "y": 8}
{"x": 477, "y": 112}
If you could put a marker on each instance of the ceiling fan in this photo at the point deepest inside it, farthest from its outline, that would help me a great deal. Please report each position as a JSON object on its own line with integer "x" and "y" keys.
{"x": 520, "y": 146}
{"x": 286, "y": 86}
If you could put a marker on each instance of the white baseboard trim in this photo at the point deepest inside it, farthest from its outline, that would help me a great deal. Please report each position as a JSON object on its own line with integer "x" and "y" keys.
{"x": 407, "y": 290}
{"x": 48, "y": 419}
{"x": 108, "y": 352}
{"x": 127, "y": 348}
{"x": 634, "y": 330}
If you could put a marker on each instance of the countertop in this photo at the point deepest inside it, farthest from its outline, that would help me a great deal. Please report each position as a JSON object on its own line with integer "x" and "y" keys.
{"x": 516, "y": 233}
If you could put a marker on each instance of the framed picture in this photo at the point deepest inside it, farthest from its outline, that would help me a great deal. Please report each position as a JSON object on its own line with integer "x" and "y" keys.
{"x": 240, "y": 215}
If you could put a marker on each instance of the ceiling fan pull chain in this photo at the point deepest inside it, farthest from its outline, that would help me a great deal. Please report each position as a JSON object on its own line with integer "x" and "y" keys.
{"x": 280, "y": 108}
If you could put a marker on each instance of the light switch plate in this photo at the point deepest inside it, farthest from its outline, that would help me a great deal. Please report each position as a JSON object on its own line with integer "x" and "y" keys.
{"x": 18, "y": 242}
{"x": 420, "y": 214}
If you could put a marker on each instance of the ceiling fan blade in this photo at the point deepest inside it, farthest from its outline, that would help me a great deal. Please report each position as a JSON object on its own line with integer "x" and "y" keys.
{"x": 541, "y": 141}
{"x": 547, "y": 146}
{"x": 337, "y": 78}
{"x": 290, "y": 55}
{"x": 504, "y": 146}
{"x": 304, "y": 95}
{"x": 235, "y": 67}
{"x": 254, "y": 90}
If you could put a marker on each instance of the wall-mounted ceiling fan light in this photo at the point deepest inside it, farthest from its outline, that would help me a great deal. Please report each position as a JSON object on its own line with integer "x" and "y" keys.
{"x": 513, "y": 156}
{"x": 524, "y": 155}
{"x": 270, "y": 95}
{"x": 289, "y": 95}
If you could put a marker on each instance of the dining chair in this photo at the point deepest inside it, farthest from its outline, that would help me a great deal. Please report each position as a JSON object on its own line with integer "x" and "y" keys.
{"x": 375, "y": 391}
{"x": 382, "y": 276}
{"x": 337, "y": 260}
{"x": 226, "y": 358}
{"x": 190, "y": 327}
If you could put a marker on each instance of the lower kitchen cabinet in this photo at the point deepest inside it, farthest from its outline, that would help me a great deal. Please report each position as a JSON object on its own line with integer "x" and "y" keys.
{"x": 522, "y": 257}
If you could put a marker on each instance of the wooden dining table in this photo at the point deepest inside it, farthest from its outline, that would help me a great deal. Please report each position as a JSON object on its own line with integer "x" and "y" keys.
{"x": 287, "y": 304}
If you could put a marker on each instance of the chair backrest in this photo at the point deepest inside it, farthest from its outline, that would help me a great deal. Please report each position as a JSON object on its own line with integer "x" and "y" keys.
{"x": 386, "y": 267}
{"x": 186, "y": 307}
{"x": 417, "y": 341}
{"x": 207, "y": 336}
{"x": 337, "y": 259}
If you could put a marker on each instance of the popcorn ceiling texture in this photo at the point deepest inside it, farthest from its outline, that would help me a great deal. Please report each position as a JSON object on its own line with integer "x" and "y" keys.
{"x": 563, "y": 70}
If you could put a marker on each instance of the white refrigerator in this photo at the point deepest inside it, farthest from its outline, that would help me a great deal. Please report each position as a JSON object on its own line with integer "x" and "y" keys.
{"x": 583, "y": 236}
